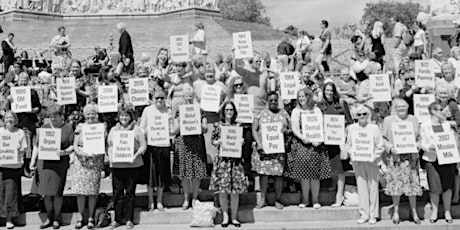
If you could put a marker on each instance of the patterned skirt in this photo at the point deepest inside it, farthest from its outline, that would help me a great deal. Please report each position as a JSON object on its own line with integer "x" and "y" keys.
{"x": 87, "y": 175}
{"x": 306, "y": 162}
{"x": 268, "y": 164}
{"x": 228, "y": 176}
{"x": 190, "y": 157}
{"x": 403, "y": 177}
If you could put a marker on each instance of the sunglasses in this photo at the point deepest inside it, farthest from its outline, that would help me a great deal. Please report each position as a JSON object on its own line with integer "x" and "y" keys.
{"x": 410, "y": 78}
{"x": 159, "y": 98}
{"x": 238, "y": 85}
{"x": 361, "y": 114}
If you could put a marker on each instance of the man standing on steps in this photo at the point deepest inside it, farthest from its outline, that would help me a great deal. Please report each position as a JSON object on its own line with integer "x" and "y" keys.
{"x": 8, "y": 52}
{"x": 125, "y": 47}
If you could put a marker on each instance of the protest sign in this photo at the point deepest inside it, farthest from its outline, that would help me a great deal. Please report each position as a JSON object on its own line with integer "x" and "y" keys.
{"x": 231, "y": 138}
{"x": 421, "y": 103}
{"x": 312, "y": 126}
{"x": 49, "y": 144}
{"x": 242, "y": 42}
{"x": 65, "y": 89}
{"x": 380, "y": 87}
{"x": 210, "y": 98}
{"x": 180, "y": 51}
{"x": 190, "y": 119}
{"x": 138, "y": 91}
{"x": 362, "y": 145}
{"x": 272, "y": 137}
{"x": 334, "y": 129}
{"x": 22, "y": 101}
{"x": 107, "y": 99}
{"x": 244, "y": 105}
{"x": 158, "y": 130}
{"x": 446, "y": 148}
{"x": 289, "y": 85}
{"x": 404, "y": 137}
{"x": 123, "y": 146}
{"x": 93, "y": 138}
{"x": 8, "y": 148}
{"x": 424, "y": 74}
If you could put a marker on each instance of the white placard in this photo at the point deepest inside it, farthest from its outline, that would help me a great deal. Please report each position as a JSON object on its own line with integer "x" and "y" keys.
{"x": 190, "y": 120}
{"x": 138, "y": 91}
{"x": 421, "y": 103}
{"x": 93, "y": 138}
{"x": 289, "y": 85}
{"x": 446, "y": 148}
{"x": 272, "y": 137}
{"x": 362, "y": 145}
{"x": 380, "y": 87}
{"x": 457, "y": 73}
{"x": 231, "y": 137}
{"x": 158, "y": 130}
{"x": 404, "y": 137}
{"x": 242, "y": 42}
{"x": 8, "y": 148}
{"x": 49, "y": 144}
{"x": 180, "y": 51}
{"x": 65, "y": 89}
{"x": 123, "y": 146}
{"x": 424, "y": 74}
{"x": 107, "y": 99}
{"x": 244, "y": 106}
{"x": 334, "y": 129}
{"x": 312, "y": 126}
{"x": 22, "y": 101}
{"x": 210, "y": 98}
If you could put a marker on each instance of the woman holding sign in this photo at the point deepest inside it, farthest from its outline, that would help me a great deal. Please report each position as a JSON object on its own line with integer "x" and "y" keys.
{"x": 88, "y": 165}
{"x": 401, "y": 132}
{"x": 13, "y": 149}
{"x": 440, "y": 164}
{"x": 127, "y": 144}
{"x": 365, "y": 146}
{"x": 52, "y": 174}
{"x": 269, "y": 130}
{"x": 228, "y": 173}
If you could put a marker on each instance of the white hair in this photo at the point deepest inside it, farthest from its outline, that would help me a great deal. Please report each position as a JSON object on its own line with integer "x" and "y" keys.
{"x": 121, "y": 26}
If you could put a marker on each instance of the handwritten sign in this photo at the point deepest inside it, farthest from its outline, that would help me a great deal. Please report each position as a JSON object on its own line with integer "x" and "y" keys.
{"x": 424, "y": 74}
{"x": 421, "y": 103}
{"x": 66, "y": 94}
{"x": 8, "y": 148}
{"x": 22, "y": 101}
{"x": 138, "y": 91}
{"x": 380, "y": 87}
{"x": 49, "y": 144}
{"x": 180, "y": 51}
{"x": 107, "y": 99}
{"x": 446, "y": 148}
{"x": 362, "y": 145}
{"x": 210, "y": 98}
{"x": 190, "y": 120}
{"x": 404, "y": 137}
{"x": 289, "y": 85}
{"x": 272, "y": 137}
{"x": 93, "y": 138}
{"x": 158, "y": 130}
{"x": 242, "y": 42}
{"x": 123, "y": 146}
{"x": 244, "y": 105}
{"x": 312, "y": 126}
{"x": 231, "y": 141}
{"x": 334, "y": 129}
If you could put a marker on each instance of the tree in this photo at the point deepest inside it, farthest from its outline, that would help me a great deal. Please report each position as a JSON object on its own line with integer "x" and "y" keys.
{"x": 385, "y": 10}
{"x": 244, "y": 10}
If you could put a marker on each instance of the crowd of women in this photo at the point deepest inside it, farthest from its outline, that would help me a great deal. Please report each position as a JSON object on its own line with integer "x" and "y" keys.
{"x": 174, "y": 84}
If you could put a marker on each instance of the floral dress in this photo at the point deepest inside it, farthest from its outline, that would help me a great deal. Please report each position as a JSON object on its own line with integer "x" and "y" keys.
{"x": 228, "y": 173}
{"x": 271, "y": 164}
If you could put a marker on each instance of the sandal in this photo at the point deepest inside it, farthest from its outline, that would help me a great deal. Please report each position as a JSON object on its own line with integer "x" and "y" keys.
{"x": 79, "y": 224}
{"x": 90, "y": 224}
{"x": 185, "y": 206}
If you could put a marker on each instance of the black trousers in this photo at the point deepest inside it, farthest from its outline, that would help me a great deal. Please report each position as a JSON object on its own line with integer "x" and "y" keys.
{"x": 124, "y": 179}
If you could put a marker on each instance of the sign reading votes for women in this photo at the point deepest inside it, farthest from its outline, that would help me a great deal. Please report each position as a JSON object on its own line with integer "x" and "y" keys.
{"x": 446, "y": 148}
{"x": 107, "y": 99}
{"x": 289, "y": 85}
{"x": 312, "y": 127}
{"x": 94, "y": 138}
{"x": 123, "y": 146}
{"x": 158, "y": 130}
{"x": 190, "y": 120}
{"x": 362, "y": 145}
{"x": 138, "y": 91}
{"x": 8, "y": 148}
{"x": 231, "y": 141}
{"x": 424, "y": 75}
{"x": 272, "y": 137}
{"x": 66, "y": 94}
{"x": 334, "y": 129}
{"x": 242, "y": 42}
{"x": 22, "y": 101}
{"x": 210, "y": 98}
{"x": 49, "y": 144}
{"x": 421, "y": 103}
{"x": 244, "y": 105}
{"x": 404, "y": 137}
{"x": 180, "y": 51}
{"x": 380, "y": 87}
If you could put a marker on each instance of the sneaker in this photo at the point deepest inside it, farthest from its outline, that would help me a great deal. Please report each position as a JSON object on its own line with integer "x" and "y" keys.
{"x": 317, "y": 206}
{"x": 373, "y": 221}
{"x": 278, "y": 205}
{"x": 302, "y": 205}
{"x": 362, "y": 220}
{"x": 9, "y": 225}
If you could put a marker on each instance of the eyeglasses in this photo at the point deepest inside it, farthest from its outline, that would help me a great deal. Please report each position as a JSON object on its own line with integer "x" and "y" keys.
{"x": 238, "y": 85}
{"x": 437, "y": 109}
{"x": 361, "y": 114}
{"x": 229, "y": 110}
{"x": 159, "y": 98}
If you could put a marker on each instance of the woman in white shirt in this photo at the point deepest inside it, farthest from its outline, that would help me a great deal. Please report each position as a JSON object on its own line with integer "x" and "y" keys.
{"x": 302, "y": 45}
{"x": 420, "y": 40}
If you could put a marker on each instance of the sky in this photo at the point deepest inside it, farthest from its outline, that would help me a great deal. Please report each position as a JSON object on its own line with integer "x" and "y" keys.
{"x": 307, "y": 14}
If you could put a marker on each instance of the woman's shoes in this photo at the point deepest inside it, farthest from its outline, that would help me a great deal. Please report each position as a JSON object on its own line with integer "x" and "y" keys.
{"x": 301, "y": 205}
{"x": 160, "y": 207}
{"x": 236, "y": 223}
{"x": 114, "y": 225}
{"x": 56, "y": 224}
{"x": 433, "y": 221}
{"x": 224, "y": 225}
{"x": 396, "y": 221}
{"x": 90, "y": 224}
{"x": 317, "y": 206}
{"x": 338, "y": 203}
{"x": 261, "y": 204}
{"x": 129, "y": 224}
{"x": 448, "y": 217}
{"x": 47, "y": 224}
{"x": 79, "y": 224}
{"x": 9, "y": 225}
{"x": 185, "y": 205}
{"x": 417, "y": 221}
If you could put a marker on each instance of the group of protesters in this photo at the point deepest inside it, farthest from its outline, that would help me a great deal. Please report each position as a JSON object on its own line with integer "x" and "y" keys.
{"x": 241, "y": 118}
